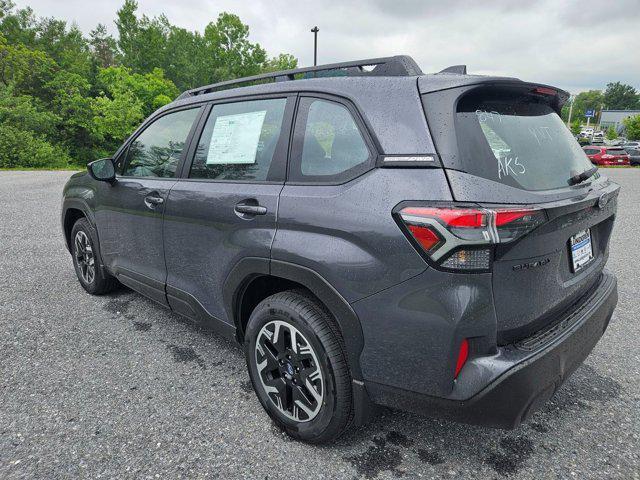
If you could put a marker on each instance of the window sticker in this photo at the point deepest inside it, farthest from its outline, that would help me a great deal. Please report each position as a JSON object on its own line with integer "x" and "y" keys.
{"x": 235, "y": 138}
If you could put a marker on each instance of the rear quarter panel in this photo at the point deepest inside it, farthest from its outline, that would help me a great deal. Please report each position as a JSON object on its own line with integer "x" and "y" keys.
{"x": 346, "y": 233}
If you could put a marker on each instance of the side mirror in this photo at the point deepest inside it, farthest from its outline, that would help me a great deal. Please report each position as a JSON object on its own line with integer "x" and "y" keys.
{"x": 102, "y": 170}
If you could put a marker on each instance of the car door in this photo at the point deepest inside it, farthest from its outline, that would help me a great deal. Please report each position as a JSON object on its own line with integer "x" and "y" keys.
{"x": 224, "y": 208}
{"x": 129, "y": 216}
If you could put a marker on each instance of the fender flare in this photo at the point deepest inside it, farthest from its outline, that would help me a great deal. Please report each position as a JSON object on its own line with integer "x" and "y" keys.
{"x": 250, "y": 268}
{"x": 79, "y": 204}
{"x": 75, "y": 204}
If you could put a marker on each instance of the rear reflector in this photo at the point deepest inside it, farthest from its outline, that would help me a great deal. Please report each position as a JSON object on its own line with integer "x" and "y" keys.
{"x": 463, "y": 354}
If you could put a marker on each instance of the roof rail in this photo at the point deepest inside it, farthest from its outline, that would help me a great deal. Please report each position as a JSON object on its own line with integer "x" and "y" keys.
{"x": 399, "y": 65}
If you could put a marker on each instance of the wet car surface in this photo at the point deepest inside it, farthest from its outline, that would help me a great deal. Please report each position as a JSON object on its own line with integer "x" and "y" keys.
{"x": 119, "y": 387}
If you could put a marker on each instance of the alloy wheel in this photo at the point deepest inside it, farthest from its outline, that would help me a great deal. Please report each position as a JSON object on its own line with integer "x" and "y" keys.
{"x": 84, "y": 256}
{"x": 289, "y": 371}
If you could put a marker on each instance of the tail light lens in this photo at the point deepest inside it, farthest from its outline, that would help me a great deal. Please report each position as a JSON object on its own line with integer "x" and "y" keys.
{"x": 461, "y": 238}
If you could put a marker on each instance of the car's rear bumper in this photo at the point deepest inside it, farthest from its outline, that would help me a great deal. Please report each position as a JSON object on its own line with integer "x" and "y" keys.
{"x": 529, "y": 372}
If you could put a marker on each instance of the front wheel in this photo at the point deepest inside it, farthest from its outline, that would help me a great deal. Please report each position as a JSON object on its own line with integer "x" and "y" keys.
{"x": 92, "y": 276}
{"x": 297, "y": 364}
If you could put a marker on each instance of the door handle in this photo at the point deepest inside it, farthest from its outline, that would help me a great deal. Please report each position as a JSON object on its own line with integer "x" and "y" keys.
{"x": 251, "y": 209}
{"x": 153, "y": 200}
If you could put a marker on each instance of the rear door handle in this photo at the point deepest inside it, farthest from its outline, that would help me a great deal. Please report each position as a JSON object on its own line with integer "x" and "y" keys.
{"x": 153, "y": 200}
{"x": 251, "y": 209}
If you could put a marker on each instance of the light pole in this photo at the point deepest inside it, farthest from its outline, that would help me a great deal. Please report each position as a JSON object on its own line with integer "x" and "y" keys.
{"x": 315, "y": 31}
{"x": 571, "y": 98}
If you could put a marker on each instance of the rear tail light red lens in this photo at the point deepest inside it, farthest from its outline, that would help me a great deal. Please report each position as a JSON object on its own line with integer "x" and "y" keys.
{"x": 458, "y": 237}
{"x": 463, "y": 354}
{"x": 454, "y": 217}
{"x": 426, "y": 236}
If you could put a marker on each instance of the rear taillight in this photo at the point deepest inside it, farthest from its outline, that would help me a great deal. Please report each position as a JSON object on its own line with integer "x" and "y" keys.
{"x": 461, "y": 238}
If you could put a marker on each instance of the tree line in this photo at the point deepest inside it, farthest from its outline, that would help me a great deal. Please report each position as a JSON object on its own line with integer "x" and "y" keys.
{"x": 67, "y": 98}
{"x": 616, "y": 96}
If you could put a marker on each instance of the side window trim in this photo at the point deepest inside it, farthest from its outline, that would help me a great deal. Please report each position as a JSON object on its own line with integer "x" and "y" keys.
{"x": 281, "y": 156}
{"x": 150, "y": 121}
{"x": 297, "y": 138}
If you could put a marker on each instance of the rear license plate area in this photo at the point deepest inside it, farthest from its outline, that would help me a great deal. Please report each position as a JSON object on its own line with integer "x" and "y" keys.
{"x": 581, "y": 250}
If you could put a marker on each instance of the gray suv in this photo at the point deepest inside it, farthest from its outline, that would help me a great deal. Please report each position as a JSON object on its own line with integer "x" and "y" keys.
{"x": 370, "y": 234}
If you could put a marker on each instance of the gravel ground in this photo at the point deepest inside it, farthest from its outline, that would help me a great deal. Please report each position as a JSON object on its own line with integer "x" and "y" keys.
{"x": 118, "y": 387}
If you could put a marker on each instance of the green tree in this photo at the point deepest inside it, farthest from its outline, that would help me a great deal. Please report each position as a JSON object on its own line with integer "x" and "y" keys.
{"x": 26, "y": 134}
{"x": 115, "y": 118}
{"x": 127, "y": 24}
{"x": 230, "y": 53}
{"x": 25, "y": 149}
{"x": 70, "y": 100}
{"x": 103, "y": 46}
{"x": 284, "y": 61}
{"x": 67, "y": 47}
{"x": 152, "y": 89}
{"x": 611, "y": 133}
{"x": 589, "y": 100}
{"x": 67, "y": 98}
{"x": 576, "y": 126}
{"x": 632, "y": 127}
{"x": 619, "y": 96}
{"x": 24, "y": 69}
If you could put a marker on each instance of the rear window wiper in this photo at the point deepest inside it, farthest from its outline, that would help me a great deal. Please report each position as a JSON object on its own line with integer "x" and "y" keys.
{"x": 581, "y": 177}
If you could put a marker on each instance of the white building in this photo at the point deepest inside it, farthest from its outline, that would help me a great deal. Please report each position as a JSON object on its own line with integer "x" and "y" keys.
{"x": 614, "y": 118}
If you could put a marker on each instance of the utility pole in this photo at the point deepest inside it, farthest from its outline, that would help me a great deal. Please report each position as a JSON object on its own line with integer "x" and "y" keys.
{"x": 315, "y": 31}
{"x": 572, "y": 98}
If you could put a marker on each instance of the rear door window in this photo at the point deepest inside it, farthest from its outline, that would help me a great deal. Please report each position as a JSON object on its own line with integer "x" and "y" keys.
{"x": 516, "y": 140}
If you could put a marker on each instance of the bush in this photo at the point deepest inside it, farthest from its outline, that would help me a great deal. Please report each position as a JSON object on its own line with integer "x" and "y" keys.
{"x": 632, "y": 126}
{"x": 576, "y": 126}
{"x": 23, "y": 149}
{"x": 611, "y": 133}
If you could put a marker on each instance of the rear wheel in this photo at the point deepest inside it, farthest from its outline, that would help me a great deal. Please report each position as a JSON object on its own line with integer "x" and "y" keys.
{"x": 92, "y": 276}
{"x": 297, "y": 364}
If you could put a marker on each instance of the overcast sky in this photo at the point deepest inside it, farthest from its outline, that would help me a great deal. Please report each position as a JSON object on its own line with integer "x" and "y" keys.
{"x": 576, "y": 45}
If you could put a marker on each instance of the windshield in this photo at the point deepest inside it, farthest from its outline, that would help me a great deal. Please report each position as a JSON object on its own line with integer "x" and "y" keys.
{"x": 517, "y": 140}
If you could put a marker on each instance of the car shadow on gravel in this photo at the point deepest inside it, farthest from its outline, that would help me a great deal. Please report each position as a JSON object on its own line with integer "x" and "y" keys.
{"x": 394, "y": 436}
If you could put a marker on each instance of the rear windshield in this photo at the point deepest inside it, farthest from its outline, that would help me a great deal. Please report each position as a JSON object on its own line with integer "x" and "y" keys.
{"x": 517, "y": 140}
{"x": 616, "y": 151}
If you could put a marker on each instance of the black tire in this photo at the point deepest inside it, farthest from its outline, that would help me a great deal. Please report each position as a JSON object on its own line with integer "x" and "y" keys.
{"x": 308, "y": 317}
{"x": 101, "y": 281}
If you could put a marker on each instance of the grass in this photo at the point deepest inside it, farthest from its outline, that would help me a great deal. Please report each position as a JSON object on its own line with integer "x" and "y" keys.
{"x": 70, "y": 168}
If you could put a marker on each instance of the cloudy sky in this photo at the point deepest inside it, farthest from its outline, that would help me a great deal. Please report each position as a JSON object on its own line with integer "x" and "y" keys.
{"x": 576, "y": 45}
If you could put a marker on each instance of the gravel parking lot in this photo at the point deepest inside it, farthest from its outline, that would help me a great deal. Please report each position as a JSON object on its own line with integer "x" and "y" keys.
{"x": 117, "y": 387}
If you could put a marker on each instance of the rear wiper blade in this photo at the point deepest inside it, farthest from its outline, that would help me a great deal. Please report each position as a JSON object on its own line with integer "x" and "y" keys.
{"x": 581, "y": 177}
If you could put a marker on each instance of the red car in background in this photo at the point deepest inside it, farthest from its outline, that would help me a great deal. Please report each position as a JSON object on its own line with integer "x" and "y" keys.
{"x": 606, "y": 155}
